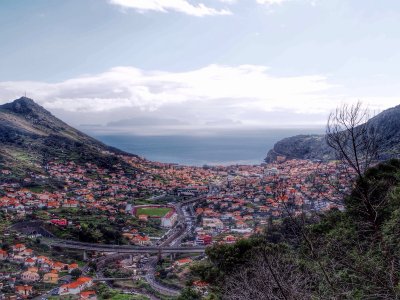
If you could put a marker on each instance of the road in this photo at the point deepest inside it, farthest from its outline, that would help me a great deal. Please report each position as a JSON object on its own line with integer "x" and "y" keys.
{"x": 182, "y": 227}
{"x": 67, "y": 244}
{"x": 185, "y": 223}
{"x": 150, "y": 278}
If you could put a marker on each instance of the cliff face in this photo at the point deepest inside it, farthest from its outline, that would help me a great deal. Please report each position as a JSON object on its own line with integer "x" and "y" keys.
{"x": 301, "y": 147}
{"x": 387, "y": 125}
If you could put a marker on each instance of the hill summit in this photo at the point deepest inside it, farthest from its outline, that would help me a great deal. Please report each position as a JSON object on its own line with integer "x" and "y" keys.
{"x": 30, "y": 136}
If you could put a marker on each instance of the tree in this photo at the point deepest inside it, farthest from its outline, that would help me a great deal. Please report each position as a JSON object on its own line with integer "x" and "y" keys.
{"x": 354, "y": 140}
{"x": 273, "y": 274}
{"x": 75, "y": 273}
{"x": 189, "y": 294}
{"x": 356, "y": 145}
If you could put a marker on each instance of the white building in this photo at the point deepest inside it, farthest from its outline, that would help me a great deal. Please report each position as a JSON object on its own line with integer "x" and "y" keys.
{"x": 169, "y": 219}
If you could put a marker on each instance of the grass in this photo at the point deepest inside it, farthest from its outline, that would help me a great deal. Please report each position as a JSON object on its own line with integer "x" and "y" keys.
{"x": 104, "y": 292}
{"x": 153, "y": 211}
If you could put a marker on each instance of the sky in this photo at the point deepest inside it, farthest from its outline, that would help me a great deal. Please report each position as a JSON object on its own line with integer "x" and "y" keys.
{"x": 193, "y": 67}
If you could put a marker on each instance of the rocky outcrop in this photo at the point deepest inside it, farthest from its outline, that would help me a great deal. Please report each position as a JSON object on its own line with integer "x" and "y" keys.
{"x": 387, "y": 125}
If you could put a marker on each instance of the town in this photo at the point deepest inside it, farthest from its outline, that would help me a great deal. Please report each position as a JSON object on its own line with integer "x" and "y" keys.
{"x": 158, "y": 205}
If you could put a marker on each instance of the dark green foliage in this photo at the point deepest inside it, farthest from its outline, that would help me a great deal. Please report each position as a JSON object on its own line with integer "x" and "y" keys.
{"x": 189, "y": 294}
{"x": 376, "y": 183}
{"x": 228, "y": 257}
{"x": 340, "y": 254}
{"x": 75, "y": 273}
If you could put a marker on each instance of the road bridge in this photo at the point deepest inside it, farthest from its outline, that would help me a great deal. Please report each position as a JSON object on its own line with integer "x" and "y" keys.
{"x": 66, "y": 244}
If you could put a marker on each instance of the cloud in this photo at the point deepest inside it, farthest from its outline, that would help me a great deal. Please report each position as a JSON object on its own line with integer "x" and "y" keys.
{"x": 277, "y": 2}
{"x": 229, "y": 1}
{"x": 270, "y": 2}
{"x": 182, "y": 6}
{"x": 244, "y": 86}
{"x": 216, "y": 95}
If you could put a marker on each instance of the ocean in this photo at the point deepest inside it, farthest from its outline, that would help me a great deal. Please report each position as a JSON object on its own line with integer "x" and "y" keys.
{"x": 223, "y": 148}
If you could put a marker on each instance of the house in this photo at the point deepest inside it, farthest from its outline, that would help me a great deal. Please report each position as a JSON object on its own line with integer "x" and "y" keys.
{"x": 29, "y": 262}
{"x": 30, "y": 276}
{"x": 141, "y": 240}
{"x": 183, "y": 261}
{"x": 204, "y": 239}
{"x": 59, "y": 266}
{"x": 72, "y": 267}
{"x": 59, "y": 222}
{"x": 76, "y": 287}
{"x": 200, "y": 286}
{"x": 213, "y": 223}
{"x": 26, "y": 252}
{"x": 229, "y": 239}
{"x": 88, "y": 295}
{"x": 53, "y": 204}
{"x": 71, "y": 203}
{"x": 18, "y": 248}
{"x": 51, "y": 277}
{"x": 24, "y": 290}
{"x": 3, "y": 254}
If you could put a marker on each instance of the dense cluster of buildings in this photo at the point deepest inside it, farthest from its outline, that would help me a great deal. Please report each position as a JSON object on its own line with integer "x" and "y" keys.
{"x": 93, "y": 187}
{"x": 252, "y": 196}
{"x": 241, "y": 200}
{"x": 21, "y": 282}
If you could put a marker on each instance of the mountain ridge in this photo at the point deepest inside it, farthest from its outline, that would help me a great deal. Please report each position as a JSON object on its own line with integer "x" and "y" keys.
{"x": 386, "y": 123}
{"x": 30, "y": 136}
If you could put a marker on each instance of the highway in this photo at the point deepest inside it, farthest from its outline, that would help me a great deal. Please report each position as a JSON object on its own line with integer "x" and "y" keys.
{"x": 150, "y": 278}
{"x": 182, "y": 227}
{"x": 66, "y": 244}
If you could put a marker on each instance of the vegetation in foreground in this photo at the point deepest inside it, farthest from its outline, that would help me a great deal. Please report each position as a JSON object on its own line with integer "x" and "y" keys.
{"x": 339, "y": 255}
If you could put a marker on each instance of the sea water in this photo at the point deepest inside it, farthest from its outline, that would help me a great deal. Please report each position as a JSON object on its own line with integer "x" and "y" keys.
{"x": 222, "y": 148}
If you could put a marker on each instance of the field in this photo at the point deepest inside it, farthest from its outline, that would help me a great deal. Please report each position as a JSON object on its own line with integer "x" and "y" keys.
{"x": 153, "y": 211}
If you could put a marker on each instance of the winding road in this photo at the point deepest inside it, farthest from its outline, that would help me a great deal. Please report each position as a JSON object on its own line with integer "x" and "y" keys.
{"x": 169, "y": 246}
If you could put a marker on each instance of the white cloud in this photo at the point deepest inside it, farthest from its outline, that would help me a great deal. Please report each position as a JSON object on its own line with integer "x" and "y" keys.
{"x": 132, "y": 87}
{"x": 229, "y": 1}
{"x": 182, "y": 6}
{"x": 245, "y": 94}
{"x": 277, "y": 2}
{"x": 270, "y": 2}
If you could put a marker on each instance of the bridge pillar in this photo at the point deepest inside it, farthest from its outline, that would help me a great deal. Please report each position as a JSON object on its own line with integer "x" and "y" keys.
{"x": 85, "y": 255}
{"x": 159, "y": 255}
{"x": 172, "y": 256}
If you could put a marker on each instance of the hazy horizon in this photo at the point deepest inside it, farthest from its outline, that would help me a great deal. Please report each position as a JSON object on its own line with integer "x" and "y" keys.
{"x": 226, "y": 147}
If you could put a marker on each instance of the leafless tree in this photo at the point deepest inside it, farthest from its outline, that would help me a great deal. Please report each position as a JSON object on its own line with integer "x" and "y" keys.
{"x": 270, "y": 276}
{"x": 354, "y": 140}
{"x": 356, "y": 145}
